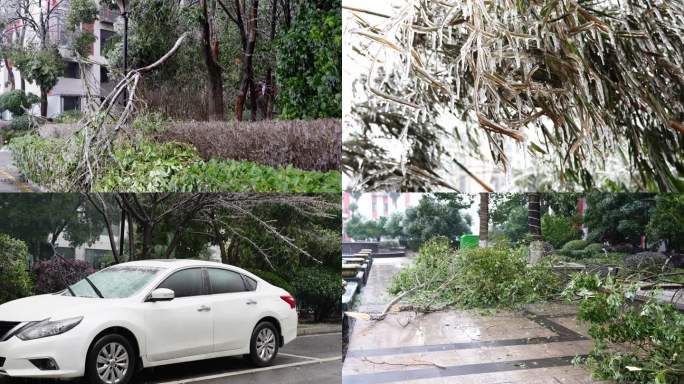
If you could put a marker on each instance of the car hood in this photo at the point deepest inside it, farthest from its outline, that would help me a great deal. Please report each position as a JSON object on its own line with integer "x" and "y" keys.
{"x": 41, "y": 307}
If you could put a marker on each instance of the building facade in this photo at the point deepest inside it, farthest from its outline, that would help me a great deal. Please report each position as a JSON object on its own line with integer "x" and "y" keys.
{"x": 75, "y": 85}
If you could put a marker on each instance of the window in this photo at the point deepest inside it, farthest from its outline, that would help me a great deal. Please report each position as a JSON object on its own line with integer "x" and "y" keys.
{"x": 66, "y": 252}
{"x": 71, "y": 70}
{"x": 99, "y": 258}
{"x": 71, "y": 103}
{"x": 251, "y": 283}
{"x": 115, "y": 282}
{"x": 104, "y": 74}
{"x": 185, "y": 283}
{"x": 105, "y": 35}
{"x": 224, "y": 281}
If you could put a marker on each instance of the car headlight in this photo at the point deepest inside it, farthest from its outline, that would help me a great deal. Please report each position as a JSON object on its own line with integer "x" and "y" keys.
{"x": 48, "y": 328}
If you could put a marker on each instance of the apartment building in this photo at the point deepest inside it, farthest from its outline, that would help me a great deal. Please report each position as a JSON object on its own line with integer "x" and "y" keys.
{"x": 72, "y": 87}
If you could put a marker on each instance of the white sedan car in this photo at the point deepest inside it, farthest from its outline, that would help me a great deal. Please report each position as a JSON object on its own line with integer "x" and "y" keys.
{"x": 145, "y": 314}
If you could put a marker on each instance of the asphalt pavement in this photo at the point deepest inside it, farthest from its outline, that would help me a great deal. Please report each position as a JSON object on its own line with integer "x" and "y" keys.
{"x": 313, "y": 359}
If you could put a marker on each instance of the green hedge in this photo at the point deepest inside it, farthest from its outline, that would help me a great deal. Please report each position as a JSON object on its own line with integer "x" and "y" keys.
{"x": 15, "y": 281}
{"x": 274, "y": 279}
{"x": 318, "y": 290}
{"x": 149, "y": 167}
{"x": 47, "y": 162}
{"x": 558, "y": 230}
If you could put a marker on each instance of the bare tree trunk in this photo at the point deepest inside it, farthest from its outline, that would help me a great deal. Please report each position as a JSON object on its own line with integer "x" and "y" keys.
{"x": 247, "y": 68}
{"x": 122, "y": 233}
{"x": 108, "y": 224}
{"x": 270, "y": 86}
{"x": 484, "y": 219}
{"x": 214, "y": 72}
{"x": 534, "y": 215}
{"x": 220, "y": 241}
{"x": 10, "y": 74}
{"x": 131, "y": 238}
{"x": 43, "y": 101}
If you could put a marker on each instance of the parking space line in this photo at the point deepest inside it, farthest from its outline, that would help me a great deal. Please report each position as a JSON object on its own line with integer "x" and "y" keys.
{"x": 249, "y": 371}
{"x": 298, "y": 356}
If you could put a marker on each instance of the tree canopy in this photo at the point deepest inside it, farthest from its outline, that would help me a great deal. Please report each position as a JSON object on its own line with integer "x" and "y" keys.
{"x": 575, "y": 82}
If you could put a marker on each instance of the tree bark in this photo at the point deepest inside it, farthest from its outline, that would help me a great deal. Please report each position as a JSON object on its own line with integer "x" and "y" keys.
{"x": 147, "y": 241}
{"x": 10, "y": 74}
{"x": 270, "y": 84}
{"x": 122, "y": 233}
{"x": 247, "y": 83}
{"x": 214, "y": 72}
{"x": 534, "y": 215}
{"x": 43, "y": 101}
{"x": 484, "y": 219}
{"x": 131, "y": 238}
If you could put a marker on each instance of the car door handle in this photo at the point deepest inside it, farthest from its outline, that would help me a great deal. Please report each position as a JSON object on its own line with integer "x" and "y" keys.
{"x": 251, "y": 302}
{"x": 203, "y": 308}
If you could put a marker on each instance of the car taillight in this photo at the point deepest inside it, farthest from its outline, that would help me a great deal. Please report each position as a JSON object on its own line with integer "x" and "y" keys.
{"x": 290, "y": 300}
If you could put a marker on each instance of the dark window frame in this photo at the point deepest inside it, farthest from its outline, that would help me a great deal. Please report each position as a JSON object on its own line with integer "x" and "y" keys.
{"x": 246, "y": 286}
{"x": 203, "y": 290}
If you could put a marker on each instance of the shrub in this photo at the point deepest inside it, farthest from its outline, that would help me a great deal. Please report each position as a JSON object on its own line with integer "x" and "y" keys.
{"x": 21, "y": 123}
{"x": 16, "y": 101}
{"x": 47, "y": 162}
{"x": 558, "y": 230}
{"x": 653, "y": 262}
{"x": 313, "y": 146}
{"x": 221, "y": 176}
{"x": 54, "y": 275}
{"x": 475, "y": 277}
{"x": 575, "y": 245}
{"x": 68, "y": 117}
{"x": 146, "y": 167}
{"x": 274, "y": 279}
{"x": 15, "y": 281}
{"x": 169, "y": 167}
{"x": 594, "y": 249}
{"x": 318, "y": 290}
{"x": 650, "y": 335}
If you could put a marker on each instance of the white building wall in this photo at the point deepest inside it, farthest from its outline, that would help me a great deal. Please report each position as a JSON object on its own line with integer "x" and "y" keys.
{"x": 67, "y": 86}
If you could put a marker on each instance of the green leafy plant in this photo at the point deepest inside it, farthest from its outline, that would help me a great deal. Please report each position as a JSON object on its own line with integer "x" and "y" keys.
{"x": 151, "y": 167}
{"x": 318, "y": 289}
{"x": 633, "y": 342}
{"x": 15, "y": 281}
{"x": 575, "y": 245}
{"x": 310, "y": 63}
{"x": 274, "y": 279}
{"x": 16, "y": 101}
{"x": 558, "y": 230}
{"x": 47, "y": 162}
{"x": 68, "y": 117}
{"x": 475, "y": 278}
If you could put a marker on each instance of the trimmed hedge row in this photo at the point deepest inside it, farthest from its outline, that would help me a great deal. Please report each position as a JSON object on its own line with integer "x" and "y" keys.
{"x": 308, "y": 145}
{"x": 150, "y": 167}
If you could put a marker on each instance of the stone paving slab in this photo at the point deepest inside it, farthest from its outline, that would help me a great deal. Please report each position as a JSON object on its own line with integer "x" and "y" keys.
{"x": 535, "y": 345}
{"x": 453, "y": 358}
{"x": 409, "y": 329}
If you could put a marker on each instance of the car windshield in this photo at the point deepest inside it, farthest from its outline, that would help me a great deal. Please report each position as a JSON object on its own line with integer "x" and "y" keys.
{"x": 114, "y": 282}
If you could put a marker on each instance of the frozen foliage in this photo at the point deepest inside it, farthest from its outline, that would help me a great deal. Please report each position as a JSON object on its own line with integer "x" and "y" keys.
{"x": 591, "y": 79}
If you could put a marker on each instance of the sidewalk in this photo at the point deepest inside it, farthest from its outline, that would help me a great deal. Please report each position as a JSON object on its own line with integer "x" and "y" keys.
{"x": 318, "y": 329}
{"x": 534, "y": 346}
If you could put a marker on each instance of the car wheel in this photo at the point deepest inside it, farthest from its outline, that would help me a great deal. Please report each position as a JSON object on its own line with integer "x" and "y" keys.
{"x": 111, "y": 360}
{"x": 264, "y": 344}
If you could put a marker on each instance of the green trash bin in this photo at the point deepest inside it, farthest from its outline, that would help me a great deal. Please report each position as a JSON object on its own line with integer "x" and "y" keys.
{"x": 470, "y": 241}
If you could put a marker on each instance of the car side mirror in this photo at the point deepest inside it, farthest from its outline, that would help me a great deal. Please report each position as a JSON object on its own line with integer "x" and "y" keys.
{"x": 161, "y": 294}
